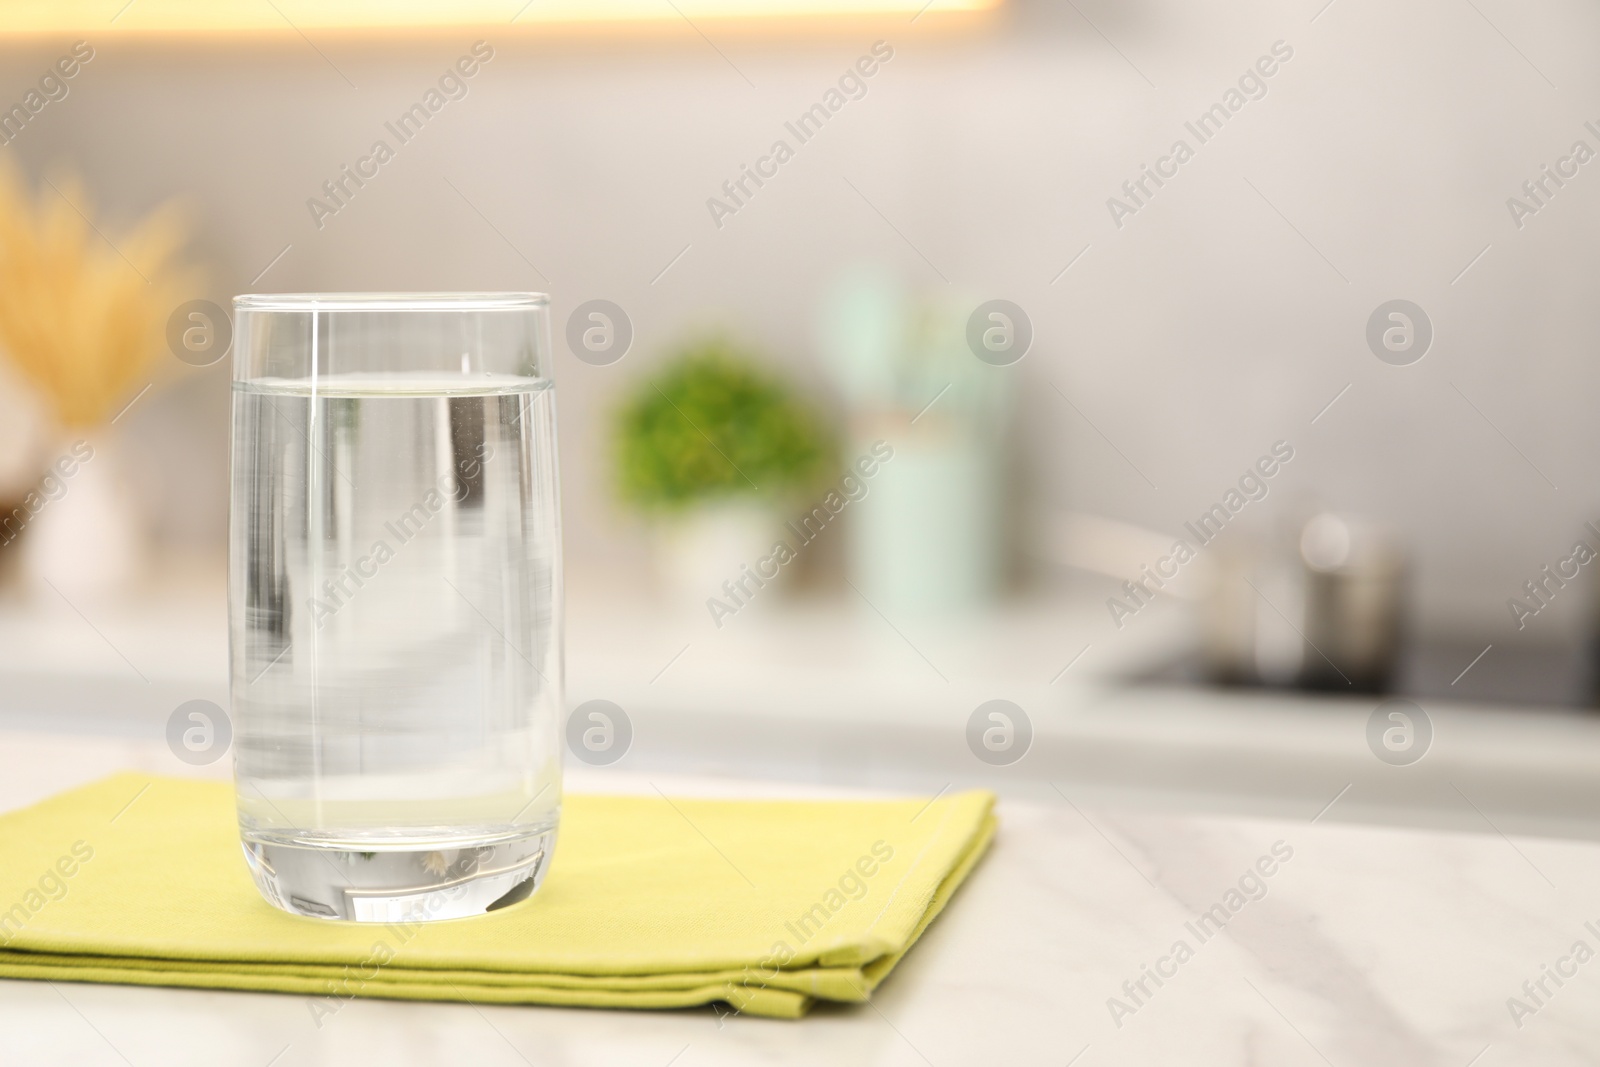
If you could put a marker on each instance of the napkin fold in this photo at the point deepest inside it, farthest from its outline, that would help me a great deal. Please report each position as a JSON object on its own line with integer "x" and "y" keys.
{"x": 767, "y": 905}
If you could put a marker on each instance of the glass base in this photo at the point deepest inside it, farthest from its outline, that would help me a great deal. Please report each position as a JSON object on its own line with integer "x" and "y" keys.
{"x": 383, "y": 881}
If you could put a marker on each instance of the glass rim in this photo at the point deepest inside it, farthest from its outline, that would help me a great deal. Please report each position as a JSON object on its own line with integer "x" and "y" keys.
{"x": 390, "y": 302}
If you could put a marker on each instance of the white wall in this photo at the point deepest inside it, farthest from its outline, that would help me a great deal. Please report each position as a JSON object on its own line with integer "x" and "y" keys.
{"x": 1193, "y": 337}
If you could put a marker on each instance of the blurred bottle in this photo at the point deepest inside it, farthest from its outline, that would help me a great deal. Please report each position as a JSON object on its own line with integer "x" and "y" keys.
{"x": 927, "y": 536}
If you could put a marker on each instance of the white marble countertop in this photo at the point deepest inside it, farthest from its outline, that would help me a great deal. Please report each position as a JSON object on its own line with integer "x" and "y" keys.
{"x": 1367, "y": 946}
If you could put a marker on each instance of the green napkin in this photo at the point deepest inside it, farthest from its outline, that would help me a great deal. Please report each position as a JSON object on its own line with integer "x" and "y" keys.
{"x": 649, "y": 903}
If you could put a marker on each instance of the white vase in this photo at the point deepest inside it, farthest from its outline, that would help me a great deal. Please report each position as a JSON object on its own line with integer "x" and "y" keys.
{"x": 83, "y": 537}
{"x": 24, "y": 434}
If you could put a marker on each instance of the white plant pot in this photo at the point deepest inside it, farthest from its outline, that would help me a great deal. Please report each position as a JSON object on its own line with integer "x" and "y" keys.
{"x": 702, "y": 551}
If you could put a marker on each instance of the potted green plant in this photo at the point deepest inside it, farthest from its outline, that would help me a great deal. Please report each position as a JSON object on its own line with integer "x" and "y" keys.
{"x": 711, "y": 448}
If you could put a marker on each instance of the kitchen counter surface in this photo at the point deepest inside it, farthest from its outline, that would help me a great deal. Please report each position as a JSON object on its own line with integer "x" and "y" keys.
{"x": 1327, "y": 943}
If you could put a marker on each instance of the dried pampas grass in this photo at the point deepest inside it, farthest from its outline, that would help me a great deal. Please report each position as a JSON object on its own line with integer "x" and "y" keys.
{"x": 83, "y": 312}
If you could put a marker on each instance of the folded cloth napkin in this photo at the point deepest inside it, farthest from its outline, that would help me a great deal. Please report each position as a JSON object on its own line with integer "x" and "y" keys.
{"x": 650, "y": 903}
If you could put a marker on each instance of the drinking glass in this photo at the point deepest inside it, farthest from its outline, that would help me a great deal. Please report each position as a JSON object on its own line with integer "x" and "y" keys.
{"x": 394, "y": 601}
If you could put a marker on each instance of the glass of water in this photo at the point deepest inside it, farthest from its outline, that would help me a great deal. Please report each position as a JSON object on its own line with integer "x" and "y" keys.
{"x": 394, "y": 601}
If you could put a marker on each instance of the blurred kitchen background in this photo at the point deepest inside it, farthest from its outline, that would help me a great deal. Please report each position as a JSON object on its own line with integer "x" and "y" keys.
{"x": 1215, "y": 321}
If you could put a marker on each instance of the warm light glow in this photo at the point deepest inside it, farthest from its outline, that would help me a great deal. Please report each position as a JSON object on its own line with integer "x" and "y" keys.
{"x": 98, "y": 17}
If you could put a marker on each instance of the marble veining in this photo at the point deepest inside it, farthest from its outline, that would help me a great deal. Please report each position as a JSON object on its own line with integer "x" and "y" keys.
{"x": 1365, "y": 946}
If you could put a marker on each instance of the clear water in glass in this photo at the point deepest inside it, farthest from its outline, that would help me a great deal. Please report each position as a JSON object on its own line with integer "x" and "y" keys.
{"x": 395, "y": 603}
